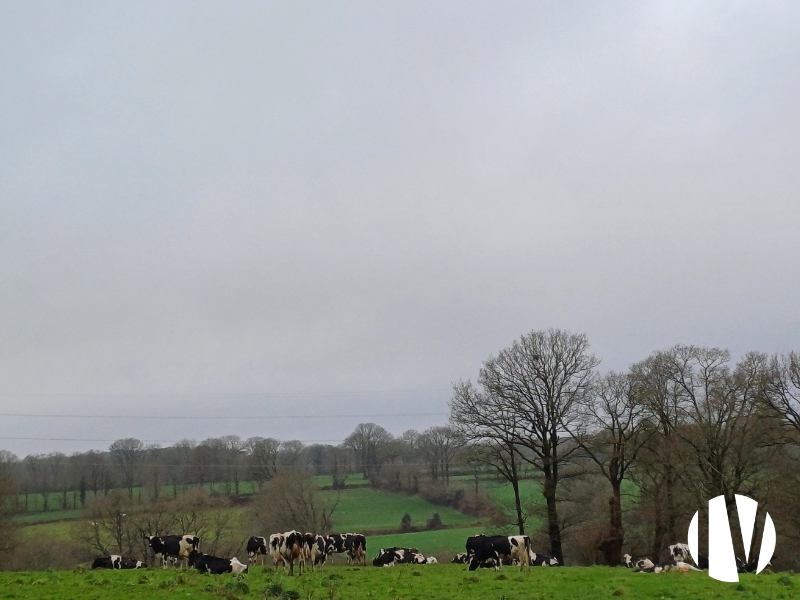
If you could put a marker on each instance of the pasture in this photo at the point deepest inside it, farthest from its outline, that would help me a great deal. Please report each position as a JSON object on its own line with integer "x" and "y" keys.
{"x": 442, "y": 581}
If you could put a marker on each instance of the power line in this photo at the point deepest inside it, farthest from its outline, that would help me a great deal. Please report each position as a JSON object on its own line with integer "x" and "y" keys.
{"x": 47, "y": 439}
{"x": 218, "y": 395}
{"x": 226, "y": 417}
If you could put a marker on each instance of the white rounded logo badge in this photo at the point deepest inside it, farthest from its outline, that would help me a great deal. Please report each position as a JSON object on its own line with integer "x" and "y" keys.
{"x": 721, "y": 558}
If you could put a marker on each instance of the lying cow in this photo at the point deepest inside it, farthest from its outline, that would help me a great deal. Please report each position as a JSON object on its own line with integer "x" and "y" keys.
{"x": 257, "y": 546}
{"x": 681, "y": 553}
{"x": 176, "y": 546}
{"x": 543, "y": 560}
{"x": 637, "y": 563}
{"x": 388, "y": 557}
{"x": 461, "y": 558}
{"x": 115, "y": 561}
{"x": 215, "y": 565}
{"x": 750, "y": 566}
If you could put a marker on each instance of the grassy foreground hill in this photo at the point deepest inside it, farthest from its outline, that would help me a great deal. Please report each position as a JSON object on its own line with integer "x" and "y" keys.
{"x": 407, "y": 582}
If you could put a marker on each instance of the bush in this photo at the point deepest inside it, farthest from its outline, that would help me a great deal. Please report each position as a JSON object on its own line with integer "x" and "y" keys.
{"x": 434, "y": 522}
{"x": 405, "y": 524}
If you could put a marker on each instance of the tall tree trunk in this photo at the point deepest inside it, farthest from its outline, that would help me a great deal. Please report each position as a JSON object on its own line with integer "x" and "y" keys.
{"x": 553, "y": 526}
{"x": 612, "y": 545}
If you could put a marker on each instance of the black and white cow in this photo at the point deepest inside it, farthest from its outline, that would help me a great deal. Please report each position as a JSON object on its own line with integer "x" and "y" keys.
{"x": 474, "y": 542}
{"x": 315, "y": 548}
{"x": 543, "y": 560}
{"x": 292, "y": 550}
{"x": 215, "y": 565}
{"x": 336, "y": 543}
{"x": 257, "y": 546}
{"x": 115, "y": 561}
{"x": 389, "y": 557}
{"x": 499, "y": 548}
{"x": 639, "y": 564}
{"x": 274, "y": 548}
{"x": 431, "y": 560}
{"x": 356, "y": 547}
{"x": 177, "y": 546}
{"x": 750, "y": 566}
{"x": 681, "y": 553}
{"x": 461, "y": 558}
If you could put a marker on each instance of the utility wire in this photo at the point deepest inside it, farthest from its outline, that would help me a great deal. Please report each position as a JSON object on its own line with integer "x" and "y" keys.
{"x": 225, "y": 417}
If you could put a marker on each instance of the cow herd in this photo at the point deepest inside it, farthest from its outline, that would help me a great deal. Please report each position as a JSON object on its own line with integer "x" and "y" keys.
{"x": 312, "y": 551}
{"x": 307, "y": 550}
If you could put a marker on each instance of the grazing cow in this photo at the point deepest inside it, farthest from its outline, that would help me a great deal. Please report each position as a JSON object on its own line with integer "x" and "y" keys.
{"x": 115, "y": 561}
{"x": 474, "y": 542}
{"x": 431, "y": 560}
{"x": 292, "y": 551}
{"x": 543, "y": 560}
{"x": 215, "y": 565}
{"x": 491, "y": 550}
{"x": 499, "y": 548}
{"x": 461, "y": 558}
{"x": 356, "y": 546}
{"x": 177, "y": 546}
{"x": 257, "y": 546}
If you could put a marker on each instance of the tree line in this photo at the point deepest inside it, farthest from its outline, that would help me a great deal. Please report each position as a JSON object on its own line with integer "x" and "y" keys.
{"x": 682, "y": 426}
{"x": 621, "y": 460}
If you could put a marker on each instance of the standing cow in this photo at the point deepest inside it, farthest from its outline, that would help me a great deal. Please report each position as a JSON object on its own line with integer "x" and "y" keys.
{"x": 292, "y": 551}
{"x": 175, "y": 546}
{"x": 256, "y": 546}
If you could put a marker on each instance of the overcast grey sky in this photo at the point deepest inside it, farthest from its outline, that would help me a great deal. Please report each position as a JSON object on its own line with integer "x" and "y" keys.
{"x": 313, "y": 202}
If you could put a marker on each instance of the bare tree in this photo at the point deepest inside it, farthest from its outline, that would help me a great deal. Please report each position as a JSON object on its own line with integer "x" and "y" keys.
{"x": 782, "y": 391}
{"x": 8, "y": 496}
{"x": 291, "y": 501}
{"x": 439, "y": 446}
{"x": 543, "y": 377}
{"x": 262, "y": 457}
{"x": 488, "y": 424}
{"x": 722, "y": 407}
{"x": 364, "y": 442}
{"x": 127, "y": 454}
{"x": 612, "y": 430}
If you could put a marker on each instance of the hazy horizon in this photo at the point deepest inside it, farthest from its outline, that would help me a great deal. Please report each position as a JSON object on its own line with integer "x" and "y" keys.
{"x": 281, "y": 209}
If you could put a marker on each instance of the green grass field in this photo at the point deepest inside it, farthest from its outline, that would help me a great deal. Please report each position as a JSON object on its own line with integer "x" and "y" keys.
{"x": 369, "y": 510}
{"x": 405, "y": 582}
